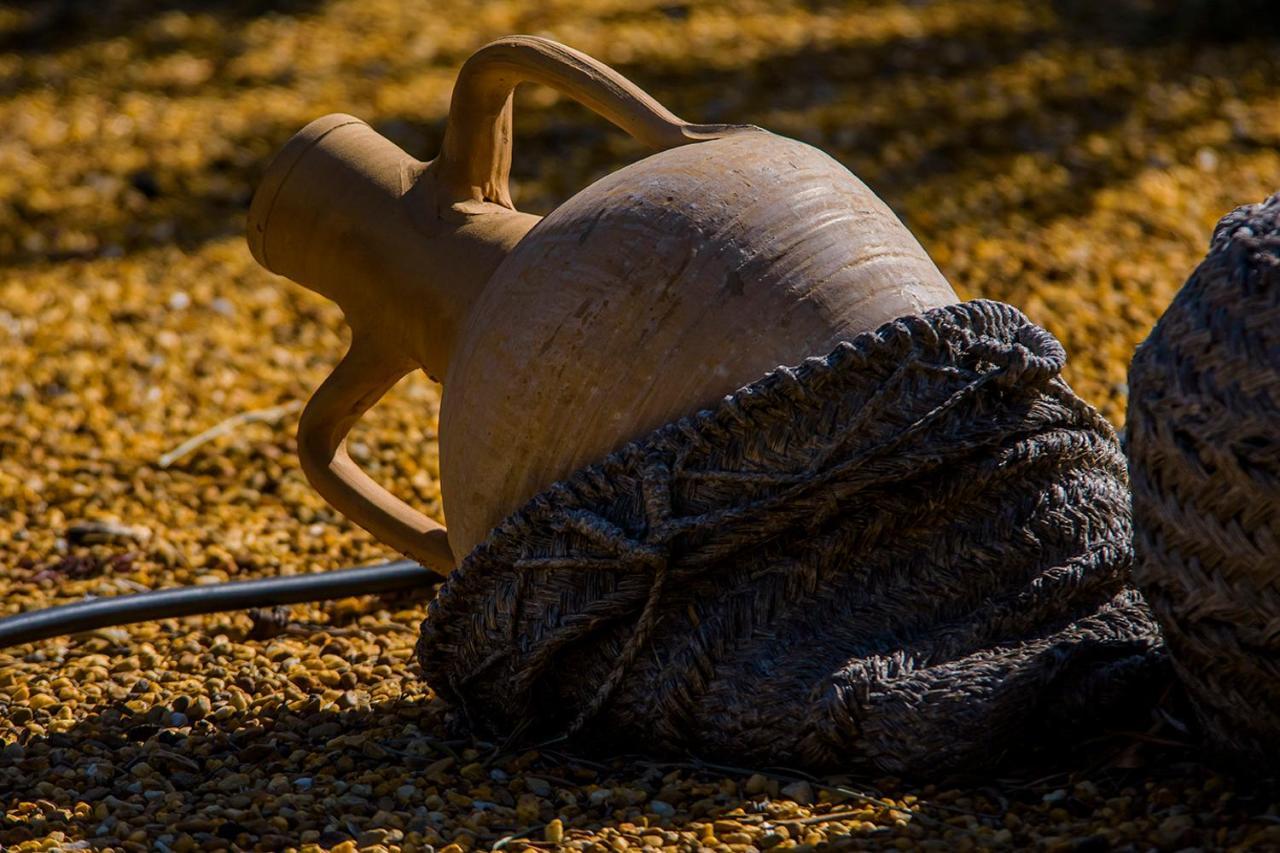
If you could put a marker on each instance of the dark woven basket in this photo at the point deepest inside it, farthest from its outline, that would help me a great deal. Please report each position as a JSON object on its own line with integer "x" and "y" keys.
{"x": 1204, "y": 448}
{"x": 910, "y": 554}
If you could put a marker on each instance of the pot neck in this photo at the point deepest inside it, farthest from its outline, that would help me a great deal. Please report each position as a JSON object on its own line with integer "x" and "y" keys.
{"x": 429, "y": 264}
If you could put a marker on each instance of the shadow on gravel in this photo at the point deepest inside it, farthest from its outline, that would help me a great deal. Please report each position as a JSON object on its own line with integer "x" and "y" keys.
{"x": 49, "y": 25}
{"x": 1152, "y": 21}
{"x": 818, "y": 96}
{"x": 933, "y": 142}
{"x": 259, "y": 782}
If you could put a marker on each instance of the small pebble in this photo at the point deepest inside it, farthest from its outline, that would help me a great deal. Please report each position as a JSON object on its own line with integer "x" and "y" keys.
{"x": 662, "y": 809}
{"x": 799, "y": 792}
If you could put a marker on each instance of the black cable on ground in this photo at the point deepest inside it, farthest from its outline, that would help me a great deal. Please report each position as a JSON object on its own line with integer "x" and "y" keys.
{"x": 214, "y": 598}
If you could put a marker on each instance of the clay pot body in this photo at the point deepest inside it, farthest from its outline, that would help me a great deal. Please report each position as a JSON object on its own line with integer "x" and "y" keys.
{"x": 646, "y": 296}
{"x": 651, "y": 294}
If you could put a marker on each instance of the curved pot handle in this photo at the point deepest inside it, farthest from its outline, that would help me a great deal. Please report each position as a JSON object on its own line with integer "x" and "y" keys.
{"x": 475, "y": 159}
{"x": 361, "y": 379}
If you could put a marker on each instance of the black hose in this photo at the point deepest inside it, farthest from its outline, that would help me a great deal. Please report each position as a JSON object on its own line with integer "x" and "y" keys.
{"x": 214, "y": 598}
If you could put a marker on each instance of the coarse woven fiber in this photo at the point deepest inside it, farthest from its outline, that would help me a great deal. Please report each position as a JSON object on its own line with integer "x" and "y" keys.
{"x": 910, "y": 554}
{"x": 1204, "y": 449}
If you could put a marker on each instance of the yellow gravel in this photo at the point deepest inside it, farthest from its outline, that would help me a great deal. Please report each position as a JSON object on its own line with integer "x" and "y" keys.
{"x": 1068, "y": 160}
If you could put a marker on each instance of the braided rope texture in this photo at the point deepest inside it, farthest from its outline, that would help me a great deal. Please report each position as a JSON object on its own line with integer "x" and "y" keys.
{"x": 1204, "y": 449}
{"x": 910, "y": 554}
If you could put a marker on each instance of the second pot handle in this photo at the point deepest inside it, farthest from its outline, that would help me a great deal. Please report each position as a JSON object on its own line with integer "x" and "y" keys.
{"x": 361, "y": 379}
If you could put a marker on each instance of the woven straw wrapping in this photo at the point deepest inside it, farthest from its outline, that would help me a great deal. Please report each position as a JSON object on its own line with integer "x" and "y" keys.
{"x": 1204, "y": 447}
{"x": 909, "y": 554}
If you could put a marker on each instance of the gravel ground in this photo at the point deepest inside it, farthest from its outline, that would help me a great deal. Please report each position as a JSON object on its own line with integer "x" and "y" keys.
{"x": 1069, "y": 157}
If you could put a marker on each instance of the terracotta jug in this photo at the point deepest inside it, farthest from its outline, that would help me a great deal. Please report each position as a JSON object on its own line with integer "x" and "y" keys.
{"x": 645, "y": 297}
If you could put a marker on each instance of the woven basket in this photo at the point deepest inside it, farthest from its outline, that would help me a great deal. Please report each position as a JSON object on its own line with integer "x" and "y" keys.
{"x": 1204, "y": 449}
{"x": 910, "y": 554}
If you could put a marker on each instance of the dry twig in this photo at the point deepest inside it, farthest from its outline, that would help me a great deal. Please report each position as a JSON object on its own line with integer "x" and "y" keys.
{"x": 274, "y": 413}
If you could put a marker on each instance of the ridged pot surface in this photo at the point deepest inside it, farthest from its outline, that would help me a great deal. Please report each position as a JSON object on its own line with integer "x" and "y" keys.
{"x": 652, "y": 293}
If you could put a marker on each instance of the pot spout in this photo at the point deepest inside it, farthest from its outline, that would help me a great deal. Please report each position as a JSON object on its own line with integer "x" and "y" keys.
{"x": 345, "y": 212}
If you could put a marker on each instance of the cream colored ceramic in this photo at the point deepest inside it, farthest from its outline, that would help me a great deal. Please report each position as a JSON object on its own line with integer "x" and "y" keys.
{"x": 646, "y": 296}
